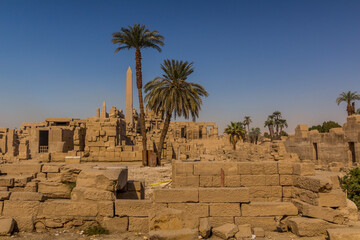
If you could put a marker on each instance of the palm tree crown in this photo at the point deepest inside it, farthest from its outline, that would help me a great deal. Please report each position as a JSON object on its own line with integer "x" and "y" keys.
{"x": 348, "y": 97}
{"x": 235, "y": 131}
{"x": 171, "y": 95}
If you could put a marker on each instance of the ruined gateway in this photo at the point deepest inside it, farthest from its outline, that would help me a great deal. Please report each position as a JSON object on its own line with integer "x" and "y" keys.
{"x": 71, "y": 173}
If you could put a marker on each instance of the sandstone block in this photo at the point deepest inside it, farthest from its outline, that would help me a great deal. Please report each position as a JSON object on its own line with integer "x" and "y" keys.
{"x": 25, "y": 223}
{"x": 263, "y": 209}
{"x": 257, "y": 168}
{"x": 20, "y": 208}
{"x": 186, "y": 181}
{"x": 192, "y": 209}
{"x": 205, "y": 227}
{"x": 166, "y": 219}
{"x": 133, "y": 208}
{"x": 258, "y": 232}
{"x": 286, "y": 180}
{"x": 6, "y": 181}
{"x": 6, "y": 226}
{"x": 21, "y": 181}
{"x": 285, "y": 168}
{"x": 50, "y": 168}
{"x": 267, "y": 223}
{"x": 271, "y": 180}
{"x": 183, "y": 168}
{"x": 225, "y": 231}
{"x": 109, "y": 179}
{"x": 232, "y": 181}
{"x": 27, "y": 196}
{"x": 176, "y": 195}
{"x": 304, "y": 169}
{"x": 343, "y": 234}
{"x": 224, "y": 209}
{"x": 116, "y": 224}
{"x": 82, "y": 194}
{"x": 225, "y": 195}
{"x": 244, "y": 168}
{"x": 4, "y": 195}
{"x": 214, "y": 168}
{"x": 105, "y": 208}
{"x": 335, "y": 198}
{"x": 313, "y": 183}
{"x": 54, "y": 189}
{"x": 308, "y": 227}
{"x": 265, "y": 192}
{"x": 270, "y": 168}
{"x": 210, "y": 181}
{"x": 287, "y": 191}
{"x": 138, "y": 224}
{"x": 68, "y": 208}
{"x": 244, "y": 231}
{"x": 20, "y": 168}
{"x": 252, "y": 180}
{"x": 182, "y": 234}
{"x": 306, "y": 196}
{"x": 219, "y": 221}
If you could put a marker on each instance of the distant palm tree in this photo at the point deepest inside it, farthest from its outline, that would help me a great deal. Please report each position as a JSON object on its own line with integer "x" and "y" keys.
{"x": 236, "y": 132}
{"x": 247, "y": 121}
{"x": 348, "y": 97}
{"x": 138, "y": 37}
{"x": 277, "y": 122}
{"x": 172, "y": 95}
{"x": 282, "y": 125}
{"x": 270, "y": 124}
{"x": 254, "y": 135}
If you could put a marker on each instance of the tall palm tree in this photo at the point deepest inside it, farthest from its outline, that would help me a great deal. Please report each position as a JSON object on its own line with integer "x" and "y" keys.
{"x": 236, "y": 132}
{"x": 171, "y": 95}
{"x": 254, "y": 135}
{"x": 270, "y": 124}
{"x": 138, "y": 37}
{"x": 282, "y": 124}
{"x": 247, "y": 121}
{"x": 277, "y": 116}
{"x": 348, "y": 97}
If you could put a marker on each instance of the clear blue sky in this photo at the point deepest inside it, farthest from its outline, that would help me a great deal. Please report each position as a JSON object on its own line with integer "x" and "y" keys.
{"x": 253, "y": 57}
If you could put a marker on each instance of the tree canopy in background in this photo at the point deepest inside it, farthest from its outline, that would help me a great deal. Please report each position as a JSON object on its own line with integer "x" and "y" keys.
{"x": 325, "y": 127}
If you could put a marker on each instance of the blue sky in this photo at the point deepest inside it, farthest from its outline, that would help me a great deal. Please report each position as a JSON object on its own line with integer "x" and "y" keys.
{"x": 253, "y": 57}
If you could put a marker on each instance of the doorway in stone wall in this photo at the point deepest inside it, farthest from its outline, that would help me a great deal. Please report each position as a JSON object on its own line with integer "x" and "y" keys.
{"x": 316, "y": 152}
{"x": 43, "y": 141}
{"x": 352, "y": 153}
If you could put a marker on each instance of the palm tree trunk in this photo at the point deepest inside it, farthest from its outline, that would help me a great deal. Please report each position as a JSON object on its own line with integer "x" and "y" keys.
{"x": 163, "y": 136}
{"x": 141, "y": 103}
{"x": 349, "y": 109}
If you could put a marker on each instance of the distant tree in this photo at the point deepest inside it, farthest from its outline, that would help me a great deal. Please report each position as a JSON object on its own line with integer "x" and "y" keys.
{"x": 172, "y": 95}
{"x": 357, "y": 111}
{"x": 138, "y": 37}
{"x": 348, "y": 97}
{"x": 284, "y": 134}
{"x": 267, "y": 135}
{"x": 275, "y": 120}
{"x": 325, "y": 127}
{"x": 254, "y": 135}
{"x": 236, "y": 132}
{"x": 247, "y": 121}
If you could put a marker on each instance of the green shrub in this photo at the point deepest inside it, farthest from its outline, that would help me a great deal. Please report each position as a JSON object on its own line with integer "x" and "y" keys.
{"x": 96, "y": 230}
{"x": 351, "y": 183}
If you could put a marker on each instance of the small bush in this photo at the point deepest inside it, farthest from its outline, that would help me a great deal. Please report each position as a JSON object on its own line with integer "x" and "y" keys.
{"x": 351, "y": 183}
{"x": 70, "y": 185}
{"x": 96, "y": 230}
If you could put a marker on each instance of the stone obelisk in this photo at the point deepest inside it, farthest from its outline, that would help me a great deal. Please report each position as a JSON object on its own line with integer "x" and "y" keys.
{"x": 129, "y": 98}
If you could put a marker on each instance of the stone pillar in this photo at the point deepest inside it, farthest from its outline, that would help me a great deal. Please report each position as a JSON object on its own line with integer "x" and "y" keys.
{"x": 129, "y": 99}
{"x": 98, "y": 112}
{"x": 103, "y": 112}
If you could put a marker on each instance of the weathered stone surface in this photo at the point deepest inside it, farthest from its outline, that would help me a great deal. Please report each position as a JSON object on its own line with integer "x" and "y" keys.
{"x": 344, "y": 234}
{"x": 244, "y": 168}
{"x": 240, "y": 194}
{"x": 186, "y": 181}
{"x": 6, "y": 226}
{"x": 176, "y": 195}
{"x": 20, "y": 208}
{"x": 167, "y": 219}
{"x": 258, "y": 232}
{"x": 253, "y": 180}
{"x": 285, "y": 168}
{"x": 219, "y": 221}
{"x": 313, "y": 183}
{"x": 50, "y": 168}
{"x": 205, "y": 169}
{"x": 24, "y": 223}
{"x": 192, "y": 209}
{"x": 264, "y": 209}
{"x": 306, "y": 196}
{"x": 82, "y": 194}
{"x": 244, "y": 231}
{"x": 68, "y": 208}
{"x": 6, "y": 181}
{"x": 20, "y": 169}
{"x": 4, "y": 195}
{"x": 133, "y": 208}
{"x": 308, "y": 227}
{"x": 109, "y": 179}
{"x": 54, "y": 189}
{"x": 270, "y": 168}
{"x": 335, "y": 198}
{"x": 224, "y": 209}
{"x": 138, "y": 224}
{"x": 116, "y": 224}
{"x": 287, "y": 180}
{"x": 27, "y": 196}
{"x": 182, "y": 234}
{"x": 225, "y": 231}
{"x": 205, "y": 227}
{"x": 105, "y": 208}
{"x": 304, "y": 169}
{"x": 265, "y": 192}
{"x": 233, "y": 181}
{"x": 183, "y": 168}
